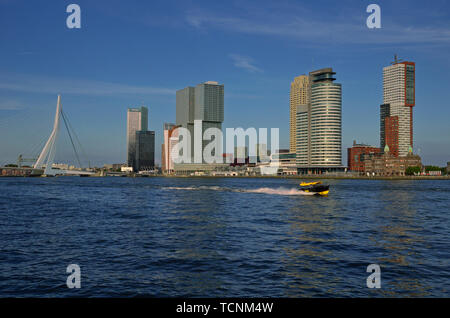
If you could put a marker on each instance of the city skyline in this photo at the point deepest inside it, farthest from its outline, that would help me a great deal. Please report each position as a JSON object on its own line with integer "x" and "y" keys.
{"x": 96, "y": 87}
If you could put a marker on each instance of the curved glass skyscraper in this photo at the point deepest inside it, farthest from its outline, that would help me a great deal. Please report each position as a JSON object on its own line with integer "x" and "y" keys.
{"x": 319, "y": 125}
{"x": 326, "y": 119}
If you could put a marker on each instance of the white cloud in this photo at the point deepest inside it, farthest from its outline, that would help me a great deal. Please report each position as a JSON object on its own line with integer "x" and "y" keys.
{"x": 245, "y": 63}
{"x": 314, "y": 30}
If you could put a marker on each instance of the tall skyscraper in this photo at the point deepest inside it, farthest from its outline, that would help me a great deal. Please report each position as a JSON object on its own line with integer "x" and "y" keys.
{"x": 137, "y": 119}
{"x": 396, "y": 112}
{"x": 319, "y": 123}
{"x": 204, "y": 102}
{"x": 145, "y": 150}
{"x": 298, "y": 97}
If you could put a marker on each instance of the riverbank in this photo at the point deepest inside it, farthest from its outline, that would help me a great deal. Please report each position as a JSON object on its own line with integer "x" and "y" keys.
{"x": 300, "y": 177}
{"x": 322, "y": 177}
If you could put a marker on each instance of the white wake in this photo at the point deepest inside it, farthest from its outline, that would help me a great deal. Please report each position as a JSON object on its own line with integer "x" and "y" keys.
{"x": 279, "y": 191}
{"x": 273, "y": 191}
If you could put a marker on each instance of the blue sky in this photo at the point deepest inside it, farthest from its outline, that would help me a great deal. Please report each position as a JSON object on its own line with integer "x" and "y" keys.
{"x": 129, "y": 53}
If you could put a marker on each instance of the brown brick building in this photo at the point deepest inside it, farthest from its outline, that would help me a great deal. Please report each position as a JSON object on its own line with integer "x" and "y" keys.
{"x": 386, "y": 164}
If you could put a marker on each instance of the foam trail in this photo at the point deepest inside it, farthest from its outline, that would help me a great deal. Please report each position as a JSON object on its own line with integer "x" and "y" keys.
{"x": 180, "y": 188}
{"x": 216, "y": 188}
{"x": 273, "y": 191}
{"x": 279, "y": 191}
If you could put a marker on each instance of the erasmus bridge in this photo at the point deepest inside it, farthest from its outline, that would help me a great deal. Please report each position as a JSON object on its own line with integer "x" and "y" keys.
{"x": 46, "y": 158}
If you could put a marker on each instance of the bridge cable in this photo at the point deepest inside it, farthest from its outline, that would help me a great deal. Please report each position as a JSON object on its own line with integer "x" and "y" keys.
{"x": 77, "y": 140}
{"x": 70, "y": 136}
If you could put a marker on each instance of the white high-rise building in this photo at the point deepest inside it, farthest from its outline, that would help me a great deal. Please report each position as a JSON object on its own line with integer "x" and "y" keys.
{"x": 326, "y": 119}
{"x": 319, "y": 125}
{"x": 396, "y": 115}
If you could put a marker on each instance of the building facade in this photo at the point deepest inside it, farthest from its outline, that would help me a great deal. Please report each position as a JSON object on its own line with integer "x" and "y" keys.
{"x": 287, "y": 163}
{"x": 137, "y": 120}
{"x": 326, "y": 119}
{"x": 319, "y": 124}
{"x": 356, "y": 155}
{"x": 205, "y": 102}
{"x": 396, "y": 112}
{"x": 298, "y": 96}
{"x": 170, "y": 140}
{"x": 145, "y": 150}
{"x": 387, "y": 165}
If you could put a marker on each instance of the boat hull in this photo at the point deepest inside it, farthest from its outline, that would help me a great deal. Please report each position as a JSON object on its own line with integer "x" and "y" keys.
{"x": 317, "y": 189}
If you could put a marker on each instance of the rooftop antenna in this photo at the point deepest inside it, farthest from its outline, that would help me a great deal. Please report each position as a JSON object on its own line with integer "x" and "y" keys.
{"x": 396, "y": 59}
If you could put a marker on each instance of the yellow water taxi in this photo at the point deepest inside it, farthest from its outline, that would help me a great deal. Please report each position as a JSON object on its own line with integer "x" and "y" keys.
{"x": 315, "y": 188}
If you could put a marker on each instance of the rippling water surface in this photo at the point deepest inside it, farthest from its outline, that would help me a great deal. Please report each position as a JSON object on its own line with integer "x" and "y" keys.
{"x": 220, "y": 237}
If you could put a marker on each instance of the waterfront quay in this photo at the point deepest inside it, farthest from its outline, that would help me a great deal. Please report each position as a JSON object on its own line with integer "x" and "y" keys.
{"x": 27, "y": 172}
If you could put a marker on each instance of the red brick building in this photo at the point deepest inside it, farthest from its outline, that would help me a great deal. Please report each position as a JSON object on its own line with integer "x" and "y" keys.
{"x": 391, "y": 134}
{"x": 356, "y": 156}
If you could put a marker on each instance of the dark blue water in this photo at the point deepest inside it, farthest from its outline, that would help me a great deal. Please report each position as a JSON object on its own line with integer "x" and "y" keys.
{"x": 222, "y": 237}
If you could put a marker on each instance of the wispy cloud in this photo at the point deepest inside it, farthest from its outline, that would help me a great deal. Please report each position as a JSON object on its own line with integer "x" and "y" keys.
{"x": 44, "y": 84}
{"x": 245, "y": 63}
{"x": 314, "y": 29}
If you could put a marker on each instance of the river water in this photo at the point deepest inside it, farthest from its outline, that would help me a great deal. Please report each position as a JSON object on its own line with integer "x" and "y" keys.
{"x": 223, "y": 237}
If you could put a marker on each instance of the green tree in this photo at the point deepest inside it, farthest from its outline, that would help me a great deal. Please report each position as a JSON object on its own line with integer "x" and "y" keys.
{"x": 410, "y": 171}
{"x": 432, "y": 168}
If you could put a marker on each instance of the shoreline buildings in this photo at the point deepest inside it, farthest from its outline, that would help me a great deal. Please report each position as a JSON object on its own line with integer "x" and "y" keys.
{"x": 140, "y": 141}
{"x": 388, "y": 164}
{"x": 395, "y": 154}
{"x": 357, "y": 154}
{"x": 318, "y": 136}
